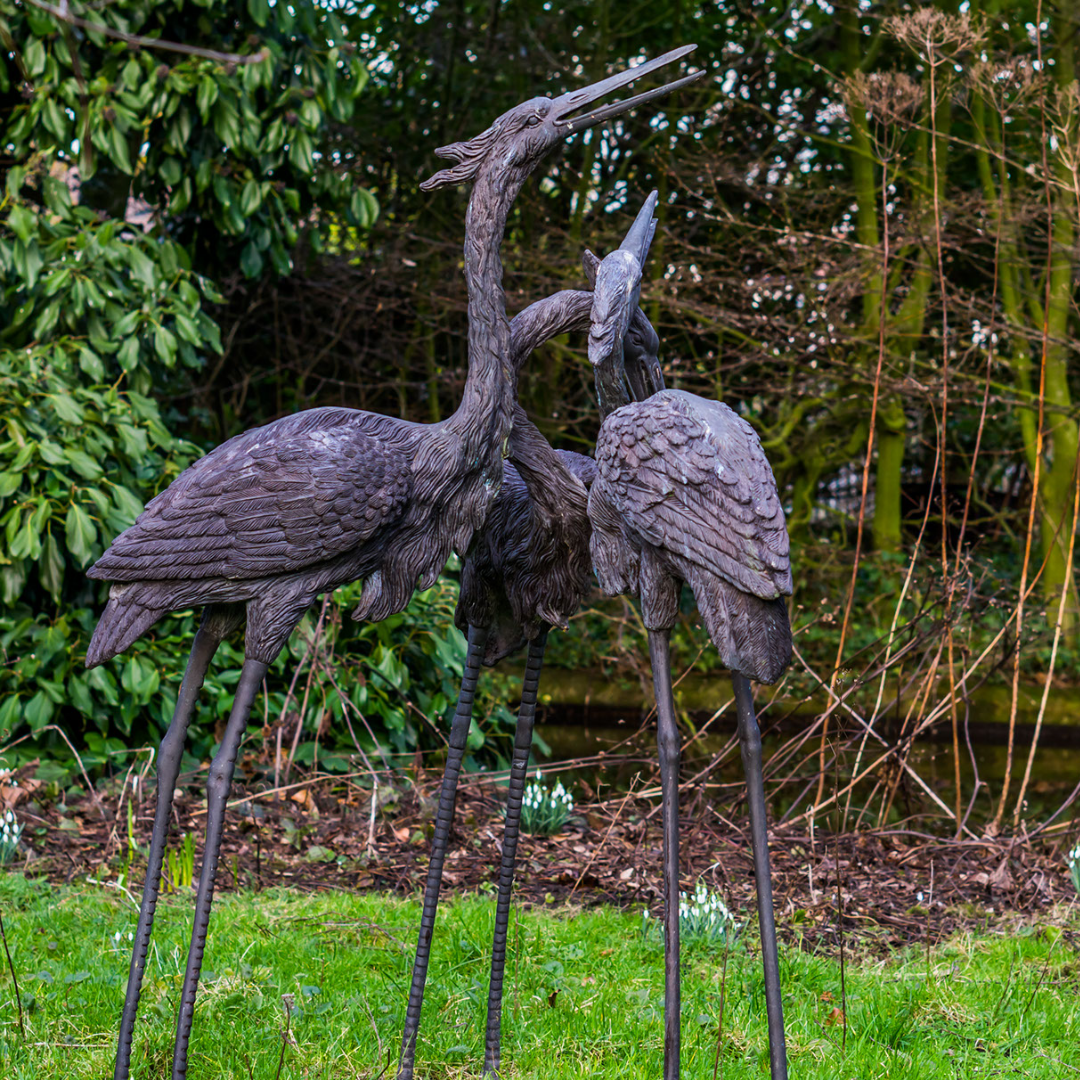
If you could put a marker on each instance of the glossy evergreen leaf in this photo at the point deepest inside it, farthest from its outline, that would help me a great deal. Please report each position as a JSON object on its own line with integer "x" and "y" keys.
{"x": 51, "y": 567}
{"x": 81, "y": 533}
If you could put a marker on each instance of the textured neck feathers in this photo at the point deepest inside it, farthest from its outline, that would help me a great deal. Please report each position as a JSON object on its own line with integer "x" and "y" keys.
{"x": 485, "y": 411}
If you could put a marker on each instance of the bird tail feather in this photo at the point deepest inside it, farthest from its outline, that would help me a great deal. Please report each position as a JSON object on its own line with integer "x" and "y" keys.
{"x": 752, "y": 635}
{"x": 123, "y": 622}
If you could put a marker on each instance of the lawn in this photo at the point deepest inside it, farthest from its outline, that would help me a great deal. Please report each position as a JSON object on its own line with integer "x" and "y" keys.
{"x": 314, "y": 986}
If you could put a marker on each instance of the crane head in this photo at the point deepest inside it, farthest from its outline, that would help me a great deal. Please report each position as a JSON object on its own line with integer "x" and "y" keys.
{"x": 521, "y": 137}
{"x": 616, "y": 295}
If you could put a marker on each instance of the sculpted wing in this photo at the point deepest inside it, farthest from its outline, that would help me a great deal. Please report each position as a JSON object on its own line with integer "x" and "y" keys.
{"x": 688, "y": 477}
{"x": 271, "y": 500}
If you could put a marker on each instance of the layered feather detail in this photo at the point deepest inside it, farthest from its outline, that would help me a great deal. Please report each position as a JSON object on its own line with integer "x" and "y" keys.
{"x": 124, "y": 620}
{"x": 685, "y": 494}
{"x": 528, "y": 570}
{"x": 279, "y": 514}
{"x": 753, "y": 636}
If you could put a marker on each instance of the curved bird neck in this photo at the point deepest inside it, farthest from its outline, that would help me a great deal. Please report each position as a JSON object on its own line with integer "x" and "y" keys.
{"x": 484, "y": 416}
{"x": 611, "y": 381}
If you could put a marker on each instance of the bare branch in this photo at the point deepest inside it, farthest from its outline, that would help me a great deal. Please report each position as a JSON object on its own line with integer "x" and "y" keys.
{"x": 62, "y": 13}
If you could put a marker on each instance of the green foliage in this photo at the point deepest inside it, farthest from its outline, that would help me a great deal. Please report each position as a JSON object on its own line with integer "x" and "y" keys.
{"x": 108, "y": 300}
{"x": 234, "y": 155}
{"x": 104, "y": 325}
{"x": 382, "y": 690}
{"x": 392, "y": 685}
{"x": 180, "y": 862}
{"x": 96, "y": 317}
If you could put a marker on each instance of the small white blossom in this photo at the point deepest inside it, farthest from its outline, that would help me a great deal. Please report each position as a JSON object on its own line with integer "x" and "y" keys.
{"x": 543, "y": 811}
{"x": 1072, "y": 861}
{"x": 10, "y": 834}
{"x": 703, "y": 917}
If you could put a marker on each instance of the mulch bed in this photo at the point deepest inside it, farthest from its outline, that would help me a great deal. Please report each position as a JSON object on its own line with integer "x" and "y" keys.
{"x": 895, "y": 887}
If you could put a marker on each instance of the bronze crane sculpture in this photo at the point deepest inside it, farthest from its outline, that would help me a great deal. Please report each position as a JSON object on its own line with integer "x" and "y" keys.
{"x": 684, "y": 494}
{"x": 528, "y": 570}
{"x": 276, "y": 516}
{"x": 498, "y": 619}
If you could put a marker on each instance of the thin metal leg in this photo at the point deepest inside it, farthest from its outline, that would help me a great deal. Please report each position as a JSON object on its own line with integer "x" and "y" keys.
{"x": 519, "y": 767}
{"x": 667, "y": 739}
{"x": 459, "y": 734}
{"x": 168, "y": 771}
{"x": 750, "y": 742}
{"x": 217, "y": 794}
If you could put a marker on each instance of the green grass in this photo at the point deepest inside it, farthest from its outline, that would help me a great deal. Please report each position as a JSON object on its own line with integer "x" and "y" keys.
{"x": 584, "y": 995}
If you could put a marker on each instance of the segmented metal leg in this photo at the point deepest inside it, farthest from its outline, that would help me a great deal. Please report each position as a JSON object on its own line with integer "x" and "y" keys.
{"x": 667, "y": 738}
{"x": 459, "y": 734}
{"x": 519, "y": 767}
{"x": 217, "y": 794}
{"x": 170, "y": 753}
{"x": 750, "y": 742}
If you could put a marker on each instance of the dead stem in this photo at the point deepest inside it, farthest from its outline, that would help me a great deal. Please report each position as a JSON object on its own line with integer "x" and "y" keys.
{"x": 1040, "y": 435}
{"x": 720, "y": 1022}
{"x": 1054, "y": 648}
{"x": 11, "y": 967}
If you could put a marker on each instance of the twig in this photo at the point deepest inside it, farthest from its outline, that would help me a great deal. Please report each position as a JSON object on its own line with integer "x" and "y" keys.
{"x": 288, "y": 697}
{"x": 287, "y": 1002}
{"x": 64, "y": 15}
{"x": 313, "y": 651}
{"x": 1040, "y": 436}
{"x": 82, "y": 768}
{"x": 11, "y": 966}
{"x": 1038, "y": 982}
{"x": 1054, "y": 648}
{"x": 113, "y": 838}
{"x": 374, "y": 1026}
{"x": 117, "y": 886}
{"x": 889, "y": 750}
{"x": 371, "y": 820}
{"x": 599, "y": 847}
{"x": 929, "y": 908}
{"x": 840, "y": 918}
{"x": 270, "y": 792}
{"x": 720, "y": 1023}
{"x": 881, "y": 317}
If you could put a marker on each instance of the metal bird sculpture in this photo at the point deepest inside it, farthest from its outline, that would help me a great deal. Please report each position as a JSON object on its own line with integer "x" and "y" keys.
{"x": 531, "y": 598}
{"x": 517, "y": 570}
{"x": 528, "y": 570}
{"x": 684, "y": 494}
{"x": 269, "y": 520}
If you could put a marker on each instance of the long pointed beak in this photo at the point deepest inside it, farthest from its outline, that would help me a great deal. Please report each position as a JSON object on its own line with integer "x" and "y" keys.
{"x": 582, "y": 99}
{"x": 640, "y": 236}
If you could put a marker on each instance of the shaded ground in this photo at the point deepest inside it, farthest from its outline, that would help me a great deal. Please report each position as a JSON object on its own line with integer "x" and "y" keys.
{"x": 895, "y": 887}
